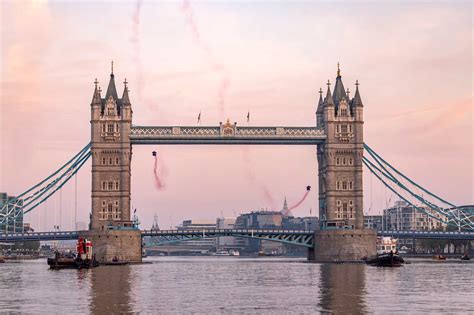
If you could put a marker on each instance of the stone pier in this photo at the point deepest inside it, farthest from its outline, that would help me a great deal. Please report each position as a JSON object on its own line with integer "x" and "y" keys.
{"x": 126, "y": 245}
{"x": 343, "y": 245}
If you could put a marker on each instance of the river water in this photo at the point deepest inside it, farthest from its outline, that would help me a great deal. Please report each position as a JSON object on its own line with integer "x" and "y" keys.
{"x": 213, "y": 285}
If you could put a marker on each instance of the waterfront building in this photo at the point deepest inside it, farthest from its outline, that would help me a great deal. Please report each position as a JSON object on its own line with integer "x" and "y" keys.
{"x": 374, "y": 222}
{"x": 12, "y": 225}
{"x": 403, "y": 216}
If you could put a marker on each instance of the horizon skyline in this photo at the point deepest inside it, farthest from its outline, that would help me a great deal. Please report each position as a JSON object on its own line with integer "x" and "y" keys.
{"x": 273, "y": 71}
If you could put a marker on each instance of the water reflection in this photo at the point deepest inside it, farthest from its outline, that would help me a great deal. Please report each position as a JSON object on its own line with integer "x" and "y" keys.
{"x": 342, "y": 288}
{"x": 111, "y": 293}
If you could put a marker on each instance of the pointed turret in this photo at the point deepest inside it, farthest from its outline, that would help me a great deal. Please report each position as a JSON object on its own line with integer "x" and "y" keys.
{"x": 285, "y": 205}
{"x": 125, "y": 98}
{"x": 321, "y": 102}
{"x": 328, "y": 101}
{"x": 339, "y": 91}
{"x": 111, "y": 90}
{"x": 96, "y": 100}
{"x": 357, "y": 101}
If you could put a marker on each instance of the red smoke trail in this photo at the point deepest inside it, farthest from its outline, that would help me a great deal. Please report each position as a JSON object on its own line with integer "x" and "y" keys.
{"x": 159, "y": 185}
{"x": 216, "y": 66}
{"x": 301, "y": 201}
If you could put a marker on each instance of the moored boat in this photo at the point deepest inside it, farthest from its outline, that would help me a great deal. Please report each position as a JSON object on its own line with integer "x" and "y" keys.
{"x": 2, "y": 260}
{"x": 387, "y": 255}
{"x": 465, "y": 257}
{"x": 83, "y": 258}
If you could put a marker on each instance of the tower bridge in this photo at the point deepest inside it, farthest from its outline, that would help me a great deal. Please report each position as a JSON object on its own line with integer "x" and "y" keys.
{"x": 339, "y": 147}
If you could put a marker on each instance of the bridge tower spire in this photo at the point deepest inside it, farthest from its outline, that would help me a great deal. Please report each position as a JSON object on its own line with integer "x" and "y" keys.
{"x": 340, "y": 176}
{"x": 111, "y": 122}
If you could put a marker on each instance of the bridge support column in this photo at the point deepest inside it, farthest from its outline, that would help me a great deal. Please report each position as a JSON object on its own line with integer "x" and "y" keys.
{"x": 343, "y": 245}
{"x": 126, "y": 245}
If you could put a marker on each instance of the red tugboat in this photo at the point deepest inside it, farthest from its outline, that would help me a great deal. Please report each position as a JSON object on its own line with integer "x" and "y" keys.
{"x": 83, "y": 259}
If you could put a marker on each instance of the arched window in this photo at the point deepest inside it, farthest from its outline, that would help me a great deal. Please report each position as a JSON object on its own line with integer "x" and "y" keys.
{"x": 116, "y": 185}
{"x": 111, "y": 186}
{"x": 104, "y": 186}
{"x": 338, "y": 185}
{"x": 117, "y": 161}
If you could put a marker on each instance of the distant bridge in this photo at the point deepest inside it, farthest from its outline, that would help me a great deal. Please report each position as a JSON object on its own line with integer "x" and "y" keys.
{"x": 294, "y": 237}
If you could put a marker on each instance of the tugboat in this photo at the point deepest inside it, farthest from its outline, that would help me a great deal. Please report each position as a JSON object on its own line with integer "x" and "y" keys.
{"x": 83, "y": 259}
{"x": 465, "y": 257}
{"x": 387, "y": 255}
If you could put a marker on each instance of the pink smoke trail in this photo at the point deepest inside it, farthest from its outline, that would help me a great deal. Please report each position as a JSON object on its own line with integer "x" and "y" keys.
{"x": 159, "y": 185}
{"x": 215, "y": 65}
{"x": 268, "y": 198}
{"x": 250, "y": 176}
{"x": 301, "y": 201}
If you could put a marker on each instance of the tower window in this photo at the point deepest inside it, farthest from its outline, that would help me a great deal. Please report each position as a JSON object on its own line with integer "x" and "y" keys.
{"x": 110, "y": 128}
{"x": 344, "y": 185}
{"x": 103, "y": 127}
{"x": 104, "y": 186}
{"x": 117, "y": 161}
{"x": 338, "y": 162}
{"x": 350, "y": 185}
{"x": 351, "y": 161}
{"x": 116, "y": 185}
{"x": 338, "y": 185}
{"x": 110, "y": 185}
{"x": 103, "y": 161}
{"x": 110, "y": 161}
{"x": 343, "y": 161}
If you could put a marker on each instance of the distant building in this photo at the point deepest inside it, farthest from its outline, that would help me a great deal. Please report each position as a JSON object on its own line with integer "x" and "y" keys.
{"x": 198, "y": 225}
{"x": 11, "y": 225}
{"x": 403, "y": 216}
{"x": 228, "y": 242}
{"x": 373, "y": 222}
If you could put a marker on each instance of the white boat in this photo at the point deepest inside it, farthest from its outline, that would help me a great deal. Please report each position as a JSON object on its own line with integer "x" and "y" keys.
{"x": 222, "y": 253}
{"x": 234, "y": 252}
{"x": 385, "y": 245}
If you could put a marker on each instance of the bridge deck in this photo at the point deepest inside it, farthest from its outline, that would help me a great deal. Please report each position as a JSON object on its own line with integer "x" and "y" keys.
{"x": 226, "y": 134}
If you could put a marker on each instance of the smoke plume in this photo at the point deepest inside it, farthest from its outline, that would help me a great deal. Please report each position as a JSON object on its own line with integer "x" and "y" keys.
{"x": 296, "y": 205}
{"x": 158, "y": 184}
{"x": 214, "y": 64}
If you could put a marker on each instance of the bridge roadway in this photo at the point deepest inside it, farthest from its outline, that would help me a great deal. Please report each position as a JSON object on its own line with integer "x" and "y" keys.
{"x": 295, "y": 237}
{"x": 227, "y": 133}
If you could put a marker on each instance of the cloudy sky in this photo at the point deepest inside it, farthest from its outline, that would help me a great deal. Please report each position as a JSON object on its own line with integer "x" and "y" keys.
{"x": 413, "y": 60}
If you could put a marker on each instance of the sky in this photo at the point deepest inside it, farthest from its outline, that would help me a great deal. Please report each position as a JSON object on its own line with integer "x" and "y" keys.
{"x": 414, "y": 62}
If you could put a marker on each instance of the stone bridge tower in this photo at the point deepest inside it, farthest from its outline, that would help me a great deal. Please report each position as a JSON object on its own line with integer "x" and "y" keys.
{"x": 340, "y": 176}
{"x": 111, "y": 227}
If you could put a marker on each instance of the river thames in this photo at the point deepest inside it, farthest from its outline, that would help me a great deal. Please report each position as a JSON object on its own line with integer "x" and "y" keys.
{"x": 212, "y": 285}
